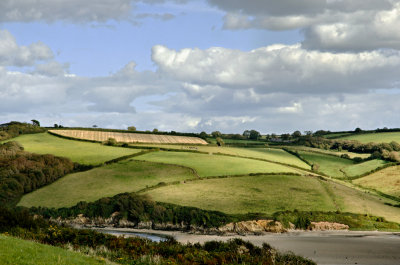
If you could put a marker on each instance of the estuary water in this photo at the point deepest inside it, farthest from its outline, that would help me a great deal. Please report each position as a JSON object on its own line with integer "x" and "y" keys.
{"x": 328, "y": 247}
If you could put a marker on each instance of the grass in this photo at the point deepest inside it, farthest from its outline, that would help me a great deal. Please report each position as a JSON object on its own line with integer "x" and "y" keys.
{"x": 124, "y": 176}
{"x": 77, "y": 151}
{"x": 352, "y": 200}
{"x": 386, "y": 181}
{"x": 329, "y": 152}
{"x": 269, "y": 194}
{"x": 384, "y": 137}
{"x": 215, "y": 165}
{"x": 272, "y": 154}
{"x": 359, "y": 169}
{"x": 237, "y": 141}
{"x": 18, "y": 251}
{"x": 329, "y": 165}
{"x": 263, "y": 194}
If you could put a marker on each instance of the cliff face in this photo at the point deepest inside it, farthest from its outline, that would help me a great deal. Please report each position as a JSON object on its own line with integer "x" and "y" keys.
{"x": 245, "y": 227}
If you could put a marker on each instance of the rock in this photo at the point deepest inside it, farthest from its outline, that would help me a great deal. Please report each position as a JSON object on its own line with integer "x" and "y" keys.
{"x": 254, "y": 227}
{"x": 324, "y": 226}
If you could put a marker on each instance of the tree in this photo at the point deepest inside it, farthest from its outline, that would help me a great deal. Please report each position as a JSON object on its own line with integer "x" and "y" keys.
{"x": 132, "y": 128}
{"x": 246, "y": 134}
{"x": 357, "y": 130}
{"x": 94, "y": 126}
{"x": 285, "y": 136}
{"x": 216, "y": 134}
{"x": 155, "y": 130}
{"x": 220, "y": 142}
{"x": 296, "y": 134}
{"x": 203, "y": 135}
{"x": 315, "y": 167}
{"x": 35, "y": 123}
{"x": 254, "y": 135}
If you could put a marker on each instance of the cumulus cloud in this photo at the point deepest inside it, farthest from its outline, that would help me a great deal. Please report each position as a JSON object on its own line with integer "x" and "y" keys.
{"x": 12, "y": 54}
{"x": 281, "y": 68}
{"x": 328, "y": 24}
{"x": 75, "y": 11}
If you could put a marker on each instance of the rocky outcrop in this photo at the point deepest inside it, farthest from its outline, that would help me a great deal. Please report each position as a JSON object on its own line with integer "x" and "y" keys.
{"x": 245, "y": 227}
{"x": 327, "y": 226}
{"x": 253, "y": 227}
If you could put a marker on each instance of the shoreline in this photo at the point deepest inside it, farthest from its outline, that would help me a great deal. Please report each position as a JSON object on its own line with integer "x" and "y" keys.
{"x": 324, "y": 247}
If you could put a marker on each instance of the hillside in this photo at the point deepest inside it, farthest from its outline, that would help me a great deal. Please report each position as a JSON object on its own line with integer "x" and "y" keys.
{"x": 380, "y": 137}
{"x": 18, "y": 251}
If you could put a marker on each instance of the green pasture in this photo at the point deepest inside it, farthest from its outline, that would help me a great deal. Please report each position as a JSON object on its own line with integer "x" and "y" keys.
{"x": 352, "y": 200}
{"x": 215, "y": 165}
{"x": 109, "y": 180}
{"x": 269, "y": 194}
{"x": 77, "y": 151}
{"x": 329, "y": 152}
{"x": 386, "y": 181}
{"x": 272, "y": 154}
{"x": 329, "y": 165}
{"x": 263, "y": 194}
{"x": 361, "y": 168}
{"x": 18, "y": 251}
{"x": 237, "y": 141}
{"x": 384, "y": 137}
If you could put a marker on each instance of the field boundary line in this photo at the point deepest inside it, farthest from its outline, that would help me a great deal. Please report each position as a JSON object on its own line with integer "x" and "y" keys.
{"x": 165, "y": 184}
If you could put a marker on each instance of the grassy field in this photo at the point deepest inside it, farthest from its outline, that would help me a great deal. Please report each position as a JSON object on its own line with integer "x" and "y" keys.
{"x": 329, "y": 152}
{"x": 215, "y": 165}
{"x": 355, "y": 201}
{"x": 128, "y": 137}
{"x": 268, "y": 194}
{"x": 77, "y": 151}
{"x": 18, "y": 251}
{"x": 265, "y": 194}
{"x": 272, "y": 154}
{"x": 386, "y": 181}
{"x": 385, "y": 137}
{"x": 329, "y": 165}
{"x": 124, "y": 176}
{"x": 359, "y": 169}
{"x": 234, "y": 141}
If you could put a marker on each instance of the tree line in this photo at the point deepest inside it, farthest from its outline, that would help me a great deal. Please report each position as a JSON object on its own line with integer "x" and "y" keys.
{"x": 386, "y": 151}
{"x": 14, "y": 129}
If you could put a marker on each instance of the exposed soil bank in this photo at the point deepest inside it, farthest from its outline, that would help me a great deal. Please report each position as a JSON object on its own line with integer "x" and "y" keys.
{"x": 324, "y": 247}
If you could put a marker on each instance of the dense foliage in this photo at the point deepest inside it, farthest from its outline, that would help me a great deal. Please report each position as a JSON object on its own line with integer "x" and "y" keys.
{"x": 22, "y": 172}
{"x": 386, "y": 151}
{"x": 139, "y": 208}
{"x": 13, "y": 129}
{"x": 140, "y": 251}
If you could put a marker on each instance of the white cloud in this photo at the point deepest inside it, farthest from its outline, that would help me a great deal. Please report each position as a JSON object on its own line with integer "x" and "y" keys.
{"x": 12, "y": 54}
{"x": 328, "y": 24}
{"x": 75, "y": 11}
{"x": 280, "y": 68}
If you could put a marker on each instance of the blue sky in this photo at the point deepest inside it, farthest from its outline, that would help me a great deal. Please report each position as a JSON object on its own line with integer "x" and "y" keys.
{"x": 201, "y": 65}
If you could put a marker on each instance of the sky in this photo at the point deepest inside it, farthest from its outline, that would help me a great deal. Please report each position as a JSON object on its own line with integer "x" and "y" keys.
{"x": 201, "y": 65}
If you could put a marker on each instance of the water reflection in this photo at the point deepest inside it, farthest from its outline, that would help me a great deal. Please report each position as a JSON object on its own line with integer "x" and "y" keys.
{"x": 152, "y": 237}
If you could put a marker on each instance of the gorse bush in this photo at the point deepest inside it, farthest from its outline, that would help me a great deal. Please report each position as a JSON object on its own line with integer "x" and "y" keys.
{"x": 22, "y": 172}
{"x": 140, "y": 208}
